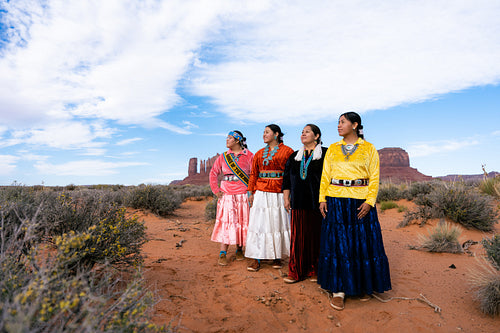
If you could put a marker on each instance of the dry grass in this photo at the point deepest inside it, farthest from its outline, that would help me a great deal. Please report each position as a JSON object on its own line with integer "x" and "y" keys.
{"x": 442, "y": 238}
{"x": 485, "y": 280}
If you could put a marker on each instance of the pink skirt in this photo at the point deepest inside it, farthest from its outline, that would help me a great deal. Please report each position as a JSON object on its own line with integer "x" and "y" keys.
{"x": 231, "y": 222}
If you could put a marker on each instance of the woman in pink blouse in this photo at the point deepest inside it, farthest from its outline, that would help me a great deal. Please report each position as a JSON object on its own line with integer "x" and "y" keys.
{"x": 231, "y": 223}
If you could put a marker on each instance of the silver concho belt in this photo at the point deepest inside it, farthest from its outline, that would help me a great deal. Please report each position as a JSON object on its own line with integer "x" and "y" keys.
{"x": 230, "y": 178}
{"x": 349, "y": 183}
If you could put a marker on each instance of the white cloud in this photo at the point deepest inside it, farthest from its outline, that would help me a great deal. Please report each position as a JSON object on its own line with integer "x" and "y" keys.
{"x": 117, "y": 60}
{"x": 124, "y": 60}
{"x": 84, "y": 168}
{"x": 188, "y": 125}
{"x": 64, "y": 135}
{"x": 435, "y": 147}
{"x": 8, "y": 164}
{"x": 302, "y": 61}
{"x": 128, "y": 141}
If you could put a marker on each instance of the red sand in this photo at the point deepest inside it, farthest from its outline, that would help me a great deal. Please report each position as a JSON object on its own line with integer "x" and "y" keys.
{"x": 197, "y": 295}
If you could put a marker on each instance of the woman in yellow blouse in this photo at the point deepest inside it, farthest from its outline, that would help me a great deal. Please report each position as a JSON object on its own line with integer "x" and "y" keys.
{"x": 352, "y": 259}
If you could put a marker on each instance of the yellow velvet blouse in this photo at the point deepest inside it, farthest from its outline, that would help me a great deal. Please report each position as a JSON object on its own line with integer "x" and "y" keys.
{"x": 362, "y": 164}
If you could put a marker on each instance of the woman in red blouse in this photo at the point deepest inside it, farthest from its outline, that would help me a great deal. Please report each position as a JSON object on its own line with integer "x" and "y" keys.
{"x": 268, "y": 234}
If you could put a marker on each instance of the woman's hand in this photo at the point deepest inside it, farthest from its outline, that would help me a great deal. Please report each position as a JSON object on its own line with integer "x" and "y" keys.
{"x": 286, "y": 199}
{"x": 250, "y": 199}
{"x": 287, "y": 204}
{"x": 323, "y": 209}
{"x": 363, "y": 210}
{"x": 219, "y": 194}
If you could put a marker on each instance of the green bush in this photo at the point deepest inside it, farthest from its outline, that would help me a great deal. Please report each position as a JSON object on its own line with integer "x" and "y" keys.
{"x": 159, "y": 199}
{"x": 491, "y": 186}
{"x": 391, "y": 192}
{"x": 464, "y": 205}
{"x": 492, "y": 247}
{"x": 387, "y": 205}
{"x": 46, "y": 289}
{"x": 211, "y": 209}
{"x": 418, "y": 189}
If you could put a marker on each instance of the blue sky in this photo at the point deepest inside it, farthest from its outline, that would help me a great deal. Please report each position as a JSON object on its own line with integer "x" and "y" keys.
{"x": 125, "y": 92}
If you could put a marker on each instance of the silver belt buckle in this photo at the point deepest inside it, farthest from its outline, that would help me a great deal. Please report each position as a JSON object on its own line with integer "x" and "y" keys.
{"x": 347, "y": 183}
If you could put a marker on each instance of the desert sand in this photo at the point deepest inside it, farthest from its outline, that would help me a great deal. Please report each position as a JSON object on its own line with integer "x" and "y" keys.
{"x": 198, "y": 295}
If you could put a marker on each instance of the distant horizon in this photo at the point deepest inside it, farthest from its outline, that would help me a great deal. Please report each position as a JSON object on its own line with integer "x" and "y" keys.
{"x": 124, "y": 92}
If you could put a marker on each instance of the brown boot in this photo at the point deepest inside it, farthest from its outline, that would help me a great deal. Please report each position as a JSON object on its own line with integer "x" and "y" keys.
{"x": 239, "y": 254}
{"x": 222, "y": 259}
{"x": 254, "y": 266}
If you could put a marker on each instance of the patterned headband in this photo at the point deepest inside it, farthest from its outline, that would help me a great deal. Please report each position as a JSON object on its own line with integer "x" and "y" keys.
{"x": 236, "y": 136}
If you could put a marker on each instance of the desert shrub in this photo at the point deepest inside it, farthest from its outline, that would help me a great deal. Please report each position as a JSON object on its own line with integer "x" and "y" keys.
{"x": 463, "y": 205}
{"x": 41, "y": 292}
{"x": 485, "y": 280}
{"x": 159, "y": 199}
{"x": 402, "y": 208}
{"x": 490, "y": 186}
{"x": 422, "y": 213}
{"x": 442, "y": 238}
{"x": 114, "y": 242}
{"x": 419, "y": 189}
{"x": 211, "y": 209}
{"x": 391, "y": 192}
{"x": 387, "y": 205}
{"x": 192, "y": 191}
{"x": 492, "y": 247}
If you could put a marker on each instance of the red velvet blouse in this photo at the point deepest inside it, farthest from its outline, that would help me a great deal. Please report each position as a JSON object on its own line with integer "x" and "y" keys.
{"x": 276, "y": 164}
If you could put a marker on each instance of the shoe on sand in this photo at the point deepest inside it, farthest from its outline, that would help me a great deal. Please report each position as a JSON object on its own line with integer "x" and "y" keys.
{"x": 313, "y": 278}
{"x": 254, "y": 266}
{"x": 222, "y": 259}
{"x": 239, "y": 254}
{"x": 337, "y": 301}
{"x": 289, "y": 280}
{"x": 277, "y": 263}
{"x": 365, "y": 298}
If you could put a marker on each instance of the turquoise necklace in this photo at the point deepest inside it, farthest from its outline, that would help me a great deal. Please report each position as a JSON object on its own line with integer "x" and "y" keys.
{"x": 348, "y": 150}
{"x": 235, "y": 157}
{"x": 304, "y": 165}
{"x": 269, "y": 158}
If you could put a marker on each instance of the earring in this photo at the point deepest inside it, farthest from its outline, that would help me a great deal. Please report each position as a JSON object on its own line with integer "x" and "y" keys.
{"x": 275, "y": 138}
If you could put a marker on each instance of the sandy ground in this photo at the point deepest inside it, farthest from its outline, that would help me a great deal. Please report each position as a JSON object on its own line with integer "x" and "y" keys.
{"x": 198, "y": 295}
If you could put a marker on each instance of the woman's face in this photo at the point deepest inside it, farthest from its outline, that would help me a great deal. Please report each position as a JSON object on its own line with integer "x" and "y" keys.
{"x": 308, "y": 137}
{"x": 232, "y": 143}
{"x": 268, "y": 135}
{"x": 345, "y": 127}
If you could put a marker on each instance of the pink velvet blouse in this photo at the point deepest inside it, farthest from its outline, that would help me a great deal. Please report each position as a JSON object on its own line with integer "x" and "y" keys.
{"x": 244, "y": 161}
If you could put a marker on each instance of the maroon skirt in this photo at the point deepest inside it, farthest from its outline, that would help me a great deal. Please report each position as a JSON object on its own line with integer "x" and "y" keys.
{"x": 305, "y": 230}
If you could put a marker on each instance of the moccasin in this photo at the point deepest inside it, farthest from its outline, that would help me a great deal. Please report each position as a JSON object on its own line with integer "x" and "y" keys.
{"x": 254, "y": 266}
{"x": 222, "y": 259}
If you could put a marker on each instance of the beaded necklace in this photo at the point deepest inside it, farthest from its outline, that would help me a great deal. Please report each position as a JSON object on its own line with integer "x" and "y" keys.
{"x": 348, "y": 150}
{"x": 235, "y": 157}
{"x": 304, "y": 165}
{"x": 269, "y": 158}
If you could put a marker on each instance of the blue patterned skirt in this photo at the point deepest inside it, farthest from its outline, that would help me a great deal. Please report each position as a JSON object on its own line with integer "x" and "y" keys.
{"x": 352, "y": 257}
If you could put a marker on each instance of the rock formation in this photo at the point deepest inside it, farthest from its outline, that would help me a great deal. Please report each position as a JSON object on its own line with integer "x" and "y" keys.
{"x": 198, "y": 178}
{"x": 395, "y": 167}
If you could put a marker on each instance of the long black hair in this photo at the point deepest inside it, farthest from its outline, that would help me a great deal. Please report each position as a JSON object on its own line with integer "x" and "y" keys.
{"x": 243, "y": 142}
{"x": 316, "y": 131}
{"x": 276, "y": 129}
{"x": 353, "y": 117}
